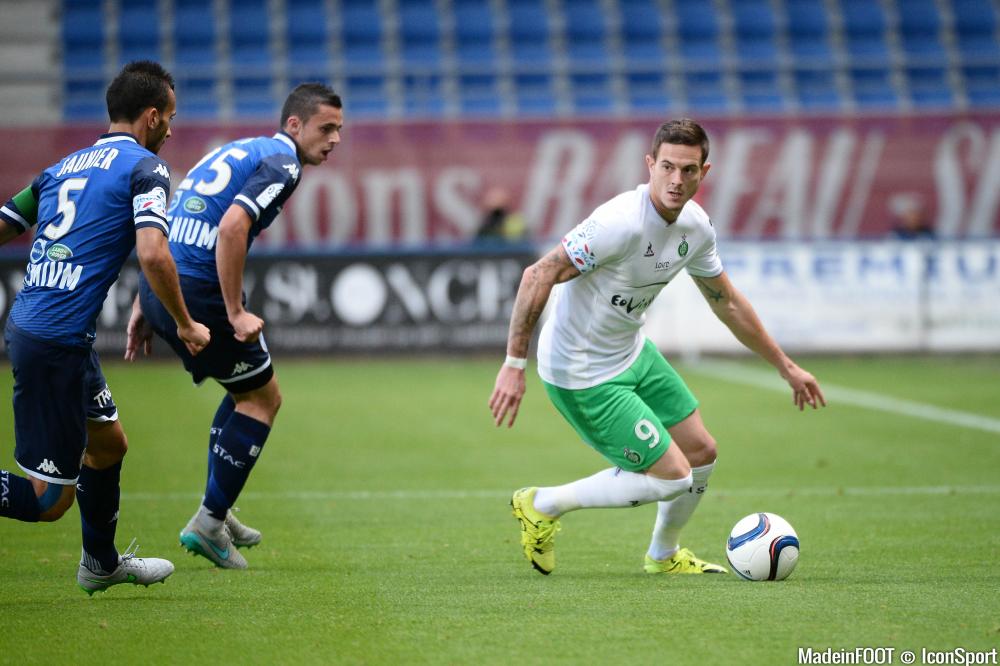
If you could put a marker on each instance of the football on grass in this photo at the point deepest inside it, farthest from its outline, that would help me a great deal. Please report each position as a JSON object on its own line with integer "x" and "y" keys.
{"x": 763, "y": 546}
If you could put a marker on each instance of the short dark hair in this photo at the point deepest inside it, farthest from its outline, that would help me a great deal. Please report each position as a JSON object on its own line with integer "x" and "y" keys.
{"x": 140, "y": 85}
{"x": 683, "y": 131}
{"x": 306, "y": 98}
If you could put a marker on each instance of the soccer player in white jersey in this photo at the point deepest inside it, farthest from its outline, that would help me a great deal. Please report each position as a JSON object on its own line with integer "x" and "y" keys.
{"x": 606, "y": 378}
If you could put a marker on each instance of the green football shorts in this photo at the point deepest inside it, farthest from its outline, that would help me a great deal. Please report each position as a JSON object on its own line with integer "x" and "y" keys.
{"x": 625, "y": 419}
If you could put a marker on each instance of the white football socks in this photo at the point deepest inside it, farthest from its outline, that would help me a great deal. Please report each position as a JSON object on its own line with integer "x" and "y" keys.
{"x": 673, "y": 515}
{"x": 609, "y": 488}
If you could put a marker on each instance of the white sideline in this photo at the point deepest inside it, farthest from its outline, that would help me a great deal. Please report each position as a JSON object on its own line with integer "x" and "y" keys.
{"x": 740, "y": 374}
{"x": 409, "y": 495}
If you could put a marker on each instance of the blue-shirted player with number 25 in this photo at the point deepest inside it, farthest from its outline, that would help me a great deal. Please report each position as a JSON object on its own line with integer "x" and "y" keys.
{"x": 226, "y": 200}
{"x": 88, "y": 212}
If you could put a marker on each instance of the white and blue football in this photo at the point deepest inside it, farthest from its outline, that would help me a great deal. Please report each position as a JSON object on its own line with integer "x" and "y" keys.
{"x": 763, "y": 546}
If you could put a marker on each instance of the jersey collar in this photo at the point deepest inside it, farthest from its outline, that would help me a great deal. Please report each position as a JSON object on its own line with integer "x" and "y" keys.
{"x": 115, "y": 136}
{"x": 289, "y": 141}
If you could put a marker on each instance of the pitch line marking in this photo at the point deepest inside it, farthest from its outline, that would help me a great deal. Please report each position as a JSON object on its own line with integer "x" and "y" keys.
{"x": 739, "y": 374}
{"x": 410, "y": 495}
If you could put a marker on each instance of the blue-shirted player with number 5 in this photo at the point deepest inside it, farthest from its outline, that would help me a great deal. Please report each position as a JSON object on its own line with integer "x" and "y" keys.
{"x": 88, "y": 212}
{"x": 226, "y": 200}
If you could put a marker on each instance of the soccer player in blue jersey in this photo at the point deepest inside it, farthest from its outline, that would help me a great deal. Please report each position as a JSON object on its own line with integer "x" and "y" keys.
{"x": 88, "y": 212}
{"x": 227, "y": 200}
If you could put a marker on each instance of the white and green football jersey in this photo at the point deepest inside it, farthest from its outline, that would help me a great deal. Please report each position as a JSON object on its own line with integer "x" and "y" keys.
{"x": 626, "y": 253}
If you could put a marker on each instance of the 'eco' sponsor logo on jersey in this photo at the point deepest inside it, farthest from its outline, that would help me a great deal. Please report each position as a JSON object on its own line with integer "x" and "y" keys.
{"x": 195, "y": 205}
{"x": 631, "y": 304}
{"x": 58, "y": 252}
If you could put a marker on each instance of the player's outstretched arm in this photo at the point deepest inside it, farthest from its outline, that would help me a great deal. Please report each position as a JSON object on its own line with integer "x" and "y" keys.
{"x": 230, "y": 259}
{"x": 736, "y": 312}
{"x": 532, "y": 295}
{"x": 161, "y": 273}
{"x": 8, "y": 232}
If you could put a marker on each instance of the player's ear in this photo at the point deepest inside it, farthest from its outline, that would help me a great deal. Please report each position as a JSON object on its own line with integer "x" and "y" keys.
{"x": 704, "y": 169}
{"x": 293, "y": 125}
{"x": 650, "y": 162}
{"x": 152, "y": 117}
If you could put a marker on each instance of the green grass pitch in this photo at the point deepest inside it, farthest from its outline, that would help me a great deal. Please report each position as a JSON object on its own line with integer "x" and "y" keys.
{"x": 383, "y": 491}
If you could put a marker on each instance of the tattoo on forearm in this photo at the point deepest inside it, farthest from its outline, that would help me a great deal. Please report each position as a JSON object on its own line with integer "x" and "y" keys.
{"x": 531, "y": 300}
{"x": 714, "y": 295}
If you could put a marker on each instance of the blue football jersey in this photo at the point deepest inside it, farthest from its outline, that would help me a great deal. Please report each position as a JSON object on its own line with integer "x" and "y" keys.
{"x": 89, "y": 206}
{"x": 258, "y": 174}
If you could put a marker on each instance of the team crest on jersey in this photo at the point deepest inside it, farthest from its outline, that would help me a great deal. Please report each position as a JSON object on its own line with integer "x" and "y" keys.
{"x": 682, "y": 249}
{"x": 195, "y": 205}
{"x": 265, "y": 198}
{"x": 649, "y": 251}
{"x": 632, "y": 456}
{"x": 58, "y": 252}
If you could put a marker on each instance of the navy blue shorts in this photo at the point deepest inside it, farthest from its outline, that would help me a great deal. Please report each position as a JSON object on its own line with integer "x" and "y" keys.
{"x": 56, "y": 390}
{"x": 238, "y": 366}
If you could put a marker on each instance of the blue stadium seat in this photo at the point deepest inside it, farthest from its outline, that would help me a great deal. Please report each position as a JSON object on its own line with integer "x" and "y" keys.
{"x": 419, "y": 35}
{"x": 647, "y": 91}
{"x": 808, "y": 32}
{"x": 705, "y": 90}
{"x": 423, "y": 95}
{"x": 253, "y": 97}
{"x": 365, "y": 94}
{"x": 307, "y": 38}
{"x": 529, "y": 35}
{"x": 197, "y": 96}
{"x": 755, "y": 32}
{"x": 760, "y": 91}
{"x": 479, "y": 95}
{"x": 920, "y": 32}
{"x": 194, "y": 36}
{"x": 474, "y": 26}
{"x": 864, "y": 31}
{"x": 361, "y": 38}
{"x": 82, "y": 27}
{"x": 975, "y": 31}
{"x": 642, "y": 28}
{"x": 585, "y": 33}
{"x": 872, "y": 88}
{"x": 816, "y": 90}
{"x": 534, "y": 93}
{"x": 698, "y": 34}
{"x": 83, "y": 98}
{"x": 982, "y": 85}
{"x": 591, "y": 93}
{"x": 139, "y": 31}
{"x": 929, "y": 87}
{"x": 249, "y": 37}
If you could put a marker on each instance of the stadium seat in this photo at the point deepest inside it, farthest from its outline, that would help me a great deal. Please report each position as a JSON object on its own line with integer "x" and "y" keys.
{"x": 194, "y": 36}
{"x": 535, "y": 94}
{"x": 83, "y": 98}
{"x": 197, "y": 97}
{"x": 975, "y": 31}
{"x": 705, "y": 91}
{"x": 361, "y": 38}
{"x": 585, "y": 33}
{"x": 365, "y": 94}
{"x": 698, "y": 34}
{"x": 419, "y": 35}
{"x": 982, "y": 85}
{"x": 872, "y": 88}
{"x": 920, "y": 32}
{"x": 647, "y": 91}
{"x": 423, "y": 95}
{"x": 529, "y": 35}
{"x": 478, "y": 94}
{"x": 760, "y": 91}
{"x": 82, "y": 25}
{"x": 138, "y": 31}
{"x": 929, "y": 87}
{"x": 808, "y": 33}
{"x": 254, "y": 98}
{"x": 642, "y": 28}
{"x": 864, "y": 31}
{"x": 816, "y": 90}
{"x": 474, "y": 45}
{"x": 307, "y": 38}
{"x": 755, "y": 32}
{"x": 591, "y": 93}
{"x": 249, "y": 37}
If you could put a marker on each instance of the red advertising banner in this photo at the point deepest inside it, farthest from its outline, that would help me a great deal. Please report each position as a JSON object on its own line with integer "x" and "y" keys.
{"x": 421, "y": 182}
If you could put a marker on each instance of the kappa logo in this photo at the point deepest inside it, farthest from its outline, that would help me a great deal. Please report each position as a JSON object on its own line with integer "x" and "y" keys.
{"x": 649, "y": 251}
{"x": 292, "y": 169}
{"x": 240, "y": 367}
{"x": 48, "y": 467}
{"x": 162, "y": 170}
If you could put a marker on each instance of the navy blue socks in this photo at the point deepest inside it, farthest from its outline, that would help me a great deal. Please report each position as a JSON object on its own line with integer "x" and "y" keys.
{"x": 232, "y": 456}
{"x": 97, "y": 495}
{"x": 17, "y": 498}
